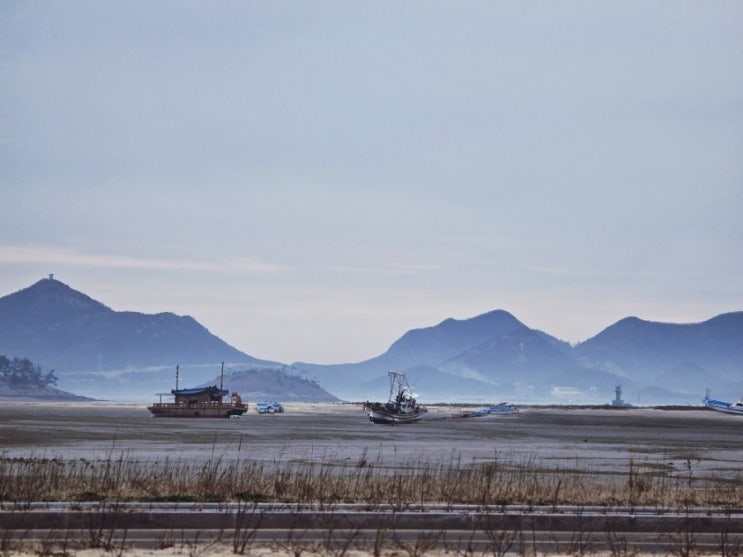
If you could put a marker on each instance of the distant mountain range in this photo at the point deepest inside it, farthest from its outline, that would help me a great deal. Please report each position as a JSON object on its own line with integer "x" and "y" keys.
{"x": 492, "y": 357}
{"x": 124, "y": 355}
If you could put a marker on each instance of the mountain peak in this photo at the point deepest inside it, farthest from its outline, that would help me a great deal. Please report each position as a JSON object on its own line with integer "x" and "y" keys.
{"x": 451, "y": 336}
{"x": 50, "y": 300}
{"x": 494, "y": 322}
{"x": 69, "y": 331}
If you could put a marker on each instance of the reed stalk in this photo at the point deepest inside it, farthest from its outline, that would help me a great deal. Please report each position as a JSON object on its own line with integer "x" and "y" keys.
{"x": 493, "y": 483}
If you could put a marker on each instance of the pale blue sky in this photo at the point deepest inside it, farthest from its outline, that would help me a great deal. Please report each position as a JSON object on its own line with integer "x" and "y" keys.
{"x": 310, "y": 180}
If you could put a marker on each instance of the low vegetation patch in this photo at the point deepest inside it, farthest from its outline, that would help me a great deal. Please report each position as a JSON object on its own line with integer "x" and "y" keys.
{"x": 493, "y": 482}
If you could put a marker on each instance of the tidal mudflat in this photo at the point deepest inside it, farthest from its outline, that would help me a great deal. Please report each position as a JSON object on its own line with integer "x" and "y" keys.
{"x": 696, "y": 441}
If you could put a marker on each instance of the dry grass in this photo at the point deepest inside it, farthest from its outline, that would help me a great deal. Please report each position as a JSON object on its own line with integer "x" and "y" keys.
{"x": 495, "y": 482}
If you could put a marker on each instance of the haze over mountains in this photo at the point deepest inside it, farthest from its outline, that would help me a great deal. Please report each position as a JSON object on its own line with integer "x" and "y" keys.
{"x": 98, "y": 352}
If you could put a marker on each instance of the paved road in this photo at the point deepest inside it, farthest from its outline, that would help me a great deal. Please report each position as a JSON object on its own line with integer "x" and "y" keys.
{"x": 518, "y": 529}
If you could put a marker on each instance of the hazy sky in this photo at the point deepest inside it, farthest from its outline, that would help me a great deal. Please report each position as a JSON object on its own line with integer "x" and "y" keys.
{"x": 310, "y": 180}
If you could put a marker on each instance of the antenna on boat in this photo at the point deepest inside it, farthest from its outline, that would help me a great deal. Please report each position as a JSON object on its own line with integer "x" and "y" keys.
{"x": 176, "y": 377}
{"x": 221, "y": 378}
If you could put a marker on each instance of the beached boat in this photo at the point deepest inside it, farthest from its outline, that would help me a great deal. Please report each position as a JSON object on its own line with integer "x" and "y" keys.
{"x": 200, "y": 402}
{"x": 727, "y": 407}
{"x": 500, "y": 408}
{"x": 503, "y": 408}
{"x": 471, "y": 413}
{"x": 400, "y": 408}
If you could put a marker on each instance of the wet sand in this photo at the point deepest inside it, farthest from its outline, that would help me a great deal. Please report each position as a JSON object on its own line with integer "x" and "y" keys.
{"x": 698, "y": 441}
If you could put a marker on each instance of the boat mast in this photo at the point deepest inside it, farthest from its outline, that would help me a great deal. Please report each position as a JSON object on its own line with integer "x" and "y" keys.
{"x": 221, "y": 378}
{"x": 176, "y": 377}
{"x": 397, "y": 382}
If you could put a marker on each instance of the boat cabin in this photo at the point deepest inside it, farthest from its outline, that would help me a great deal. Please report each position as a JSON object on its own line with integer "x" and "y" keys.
{"x": 200, "y": 396}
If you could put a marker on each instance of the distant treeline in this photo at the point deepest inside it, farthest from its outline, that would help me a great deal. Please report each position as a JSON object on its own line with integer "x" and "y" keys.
{"x": 22, "y": 372}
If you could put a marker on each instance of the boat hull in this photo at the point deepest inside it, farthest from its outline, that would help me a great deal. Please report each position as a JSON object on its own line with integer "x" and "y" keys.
{"x": 382, "y": 415}
{"x": 170, "y": 410}
{"x": 725, "y": 407}
{"x": 503, "y": 409}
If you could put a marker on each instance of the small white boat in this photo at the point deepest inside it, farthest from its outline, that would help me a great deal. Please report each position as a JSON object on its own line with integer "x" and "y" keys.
{"x": 721, "y": 406}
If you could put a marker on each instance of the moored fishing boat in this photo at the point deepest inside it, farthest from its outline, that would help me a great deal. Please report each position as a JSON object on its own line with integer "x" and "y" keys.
{"x": 200, "y": 402}
{"x": 400, "y": 408}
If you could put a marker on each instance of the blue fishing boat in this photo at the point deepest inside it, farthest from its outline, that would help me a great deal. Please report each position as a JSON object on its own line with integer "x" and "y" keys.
{"x": 721, "y": 406}
{"x": 503, "y": 408}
